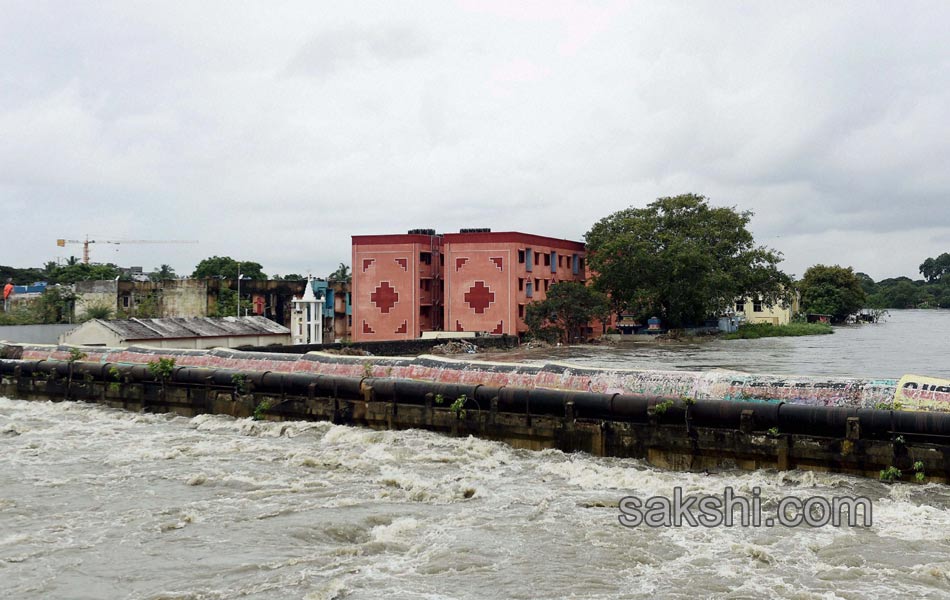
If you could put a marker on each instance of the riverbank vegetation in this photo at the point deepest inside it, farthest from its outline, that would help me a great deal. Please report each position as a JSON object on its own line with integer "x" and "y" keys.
{"x": 565, "y": 313}
{"x": 761, "y": 330}
{"x": 834, "y": 291}
{"x": 933, "y": 291}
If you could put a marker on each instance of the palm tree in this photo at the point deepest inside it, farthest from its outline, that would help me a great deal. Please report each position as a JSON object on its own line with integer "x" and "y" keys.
{"x": 342, "y": 273}
{"x": 165, "y": 272}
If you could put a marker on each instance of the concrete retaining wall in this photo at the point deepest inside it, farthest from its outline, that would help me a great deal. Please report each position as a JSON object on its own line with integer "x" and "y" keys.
{"x": 715, "y": 385}
{"x": 691, "y": 435}
{"x": 394, "y": 347}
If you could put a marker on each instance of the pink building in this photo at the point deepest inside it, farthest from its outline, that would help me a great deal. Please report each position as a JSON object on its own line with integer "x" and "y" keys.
{"x": 396, "y": 285}
{"x": 486, "y": 279}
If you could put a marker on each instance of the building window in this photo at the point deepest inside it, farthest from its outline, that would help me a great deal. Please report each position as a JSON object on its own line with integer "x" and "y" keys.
{"x": 126, "y": 301}
{"x": 574, "y": 263}
{"x": 528, "y": 261}
{"x": 554, "y": 258}
{"x": 547, "y": 282}
{"x": 757, "y": 305}
{"x": 547, "y": 260}
{"x": 441, "y": 260}
{"x": 425, "y": 258}
{"x": 560, "y": 260}
{"x": 537, "y": 259}
{"x": 740, "y": 307}
{"x": 521, "y": 284}
{"x": 537, "y": 284}
{"x": 582, "y": 265}
{"x": 521, "y": 311}
{"x": 529, "y": 290}
{"x": 521, "y": 257}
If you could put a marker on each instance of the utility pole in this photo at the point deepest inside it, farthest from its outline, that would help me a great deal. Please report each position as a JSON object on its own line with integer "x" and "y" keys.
{"x": 239, "y": 290}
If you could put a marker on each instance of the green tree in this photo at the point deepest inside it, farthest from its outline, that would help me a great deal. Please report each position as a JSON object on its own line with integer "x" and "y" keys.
{"x": 834, "y": 291}
{"x": 73, "y": 272}
{"x": 934, "y": 269}
{"x": 942, "y": 295}
{"x": 682, "y": 260}
{"x": 226, "y": 305}
{"x": 342, "y": 273}
{"x": 99, "y": 311}
{"x": 867, "y": 283}
{"x": 566, "y": 311}
{"x": 162, "y": 273}
{"x": 56, "y": 305}
{"x": 903, "y": 294}
{"x": 225, "y": 267}
{"x": 289, "y": 277}
{"x": 21, "y": 276}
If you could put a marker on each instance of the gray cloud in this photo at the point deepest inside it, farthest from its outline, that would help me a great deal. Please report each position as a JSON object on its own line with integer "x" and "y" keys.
{"x": 274, "y": 133}
{"x": 358, "y": 47}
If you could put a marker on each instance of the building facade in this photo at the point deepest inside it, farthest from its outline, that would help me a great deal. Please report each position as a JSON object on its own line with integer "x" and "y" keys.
{"x": 185, "y": 332}
{"x": 471, "y": 281}
{"x": 491, "y": 277}
{"x": 397, "y": 285}
{"x": 272, "y": 299}
{"x": 306, "y": 318}
{"x": 754, "y": 310}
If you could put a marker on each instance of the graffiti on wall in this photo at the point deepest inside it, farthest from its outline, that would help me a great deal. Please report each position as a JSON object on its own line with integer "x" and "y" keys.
{"x": 917, "y": 392}
{"x": 913, "y": 392}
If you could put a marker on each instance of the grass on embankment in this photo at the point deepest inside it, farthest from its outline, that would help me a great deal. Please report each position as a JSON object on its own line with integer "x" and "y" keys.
{"x": 761, "y": 330}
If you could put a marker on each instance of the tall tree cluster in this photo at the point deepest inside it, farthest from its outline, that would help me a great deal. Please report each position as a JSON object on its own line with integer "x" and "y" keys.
{"x": 934, "y": 269}
{"x": 834, "y": 290}
{"x": 682, "y": 260}
{"x": 225, "y": 267}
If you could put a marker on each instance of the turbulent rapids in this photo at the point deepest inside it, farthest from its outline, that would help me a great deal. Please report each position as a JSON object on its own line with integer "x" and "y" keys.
{"x": 99, "y": 503}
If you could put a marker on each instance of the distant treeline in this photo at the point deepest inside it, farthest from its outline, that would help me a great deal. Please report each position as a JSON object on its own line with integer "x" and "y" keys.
{"x": 933, "y": 291}
{"x": 70, "y": 272}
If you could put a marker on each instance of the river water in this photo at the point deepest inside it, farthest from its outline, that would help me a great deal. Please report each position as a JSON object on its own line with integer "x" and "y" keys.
{"x": 100, "y": 503}
{"x": 906, "y": 341}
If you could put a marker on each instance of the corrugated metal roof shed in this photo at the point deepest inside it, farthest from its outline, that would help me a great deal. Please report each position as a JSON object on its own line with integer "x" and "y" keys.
{"x": 192, "y": 327}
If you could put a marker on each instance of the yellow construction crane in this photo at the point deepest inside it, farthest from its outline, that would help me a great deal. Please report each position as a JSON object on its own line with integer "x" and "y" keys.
{"x": 61, "y": 242}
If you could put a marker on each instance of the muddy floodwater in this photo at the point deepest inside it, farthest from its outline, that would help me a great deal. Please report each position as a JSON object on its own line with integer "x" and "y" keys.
{"x": 99, "y": 503}
{"x": 906, "y": 341}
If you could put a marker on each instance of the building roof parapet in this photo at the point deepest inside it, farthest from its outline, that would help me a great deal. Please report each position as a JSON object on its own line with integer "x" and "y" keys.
{"x": 513, "y": 237}
{"x": 397, "y": 238}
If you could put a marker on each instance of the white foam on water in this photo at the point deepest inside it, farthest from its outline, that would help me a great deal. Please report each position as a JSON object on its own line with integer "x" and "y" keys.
{"x": 158, "y": 506}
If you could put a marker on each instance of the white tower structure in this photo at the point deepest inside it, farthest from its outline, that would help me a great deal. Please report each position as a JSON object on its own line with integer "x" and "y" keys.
{"x": 306, "y": 319}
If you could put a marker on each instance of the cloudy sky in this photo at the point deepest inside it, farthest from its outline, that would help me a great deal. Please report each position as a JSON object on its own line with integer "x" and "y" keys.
{"x": 274, "y": 131}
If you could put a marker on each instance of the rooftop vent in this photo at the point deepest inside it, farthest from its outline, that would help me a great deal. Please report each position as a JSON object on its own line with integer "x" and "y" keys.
{"x": 422, "y": 231}
{"x": 475, "y": 230}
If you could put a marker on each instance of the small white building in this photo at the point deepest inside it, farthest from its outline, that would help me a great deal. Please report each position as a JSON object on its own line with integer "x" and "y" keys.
{"x": 180, "y": 332}
{"x": 306, "y": 317}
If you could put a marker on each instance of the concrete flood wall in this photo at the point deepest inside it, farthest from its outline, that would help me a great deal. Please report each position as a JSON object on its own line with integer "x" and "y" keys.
{"x": 677, "y": 434}
{"x": 682, "y": 420}
{"x": 707, "y": 385}
{"x": 395, "y": 347}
